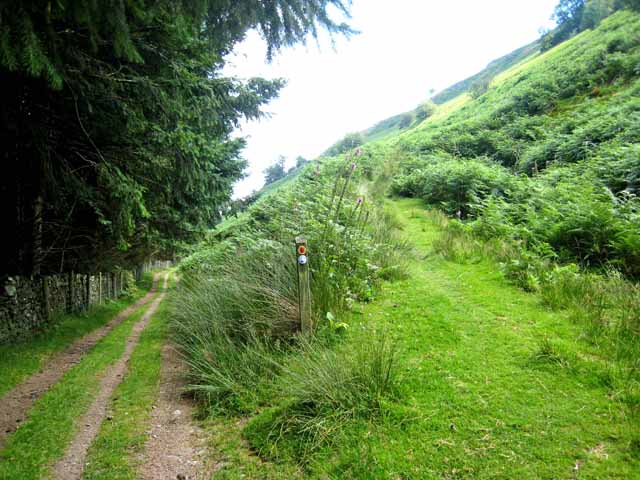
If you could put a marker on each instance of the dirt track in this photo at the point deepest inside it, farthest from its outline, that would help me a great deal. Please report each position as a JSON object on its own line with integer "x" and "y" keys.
{"x": 71, "y": 466}
{"x": 176, "y": 446}
{"x": 15, "y": 405}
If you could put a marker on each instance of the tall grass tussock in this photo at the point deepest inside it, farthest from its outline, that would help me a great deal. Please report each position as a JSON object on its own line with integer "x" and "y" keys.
{"x": 236, "y": 317}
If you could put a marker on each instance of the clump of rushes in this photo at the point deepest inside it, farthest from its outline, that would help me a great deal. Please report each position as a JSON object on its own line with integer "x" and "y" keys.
{"x": 232, "y": 328}
{"x": 237, "y": 320}
{"x": 323, "y": 390}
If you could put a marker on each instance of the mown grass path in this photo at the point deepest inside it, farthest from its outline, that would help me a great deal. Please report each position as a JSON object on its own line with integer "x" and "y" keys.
{"x": 482, "y": 397}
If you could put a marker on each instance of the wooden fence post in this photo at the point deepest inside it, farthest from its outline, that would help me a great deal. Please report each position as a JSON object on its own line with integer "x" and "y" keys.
{"x": 87, "y": 295}
{"x": 45, "y": 298}
{"x": 304, "y": 286}
{"x": 70, "y": 278}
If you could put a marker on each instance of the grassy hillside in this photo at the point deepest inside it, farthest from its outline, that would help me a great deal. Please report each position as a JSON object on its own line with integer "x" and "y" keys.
{"x": 541, "y": 174}
{"x": 398, "y": 123}
{"x": 487, "y": 327}
{"x": 487, "y": 74}
{"x": 548, "y": 155}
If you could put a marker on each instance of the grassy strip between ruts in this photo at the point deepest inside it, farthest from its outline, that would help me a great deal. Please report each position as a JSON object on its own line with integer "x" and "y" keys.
{"x": 494, "y": 385}
{"x": 20, "y": 359}
{"x": 42, "y": 439}
{"x": 113, "y": 455}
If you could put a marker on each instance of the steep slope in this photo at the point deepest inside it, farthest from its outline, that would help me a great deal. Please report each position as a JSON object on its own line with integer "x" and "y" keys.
{"x": 570, "y": 120}
{"x": 478, "y": 82}
{"x": 487, "y": 74}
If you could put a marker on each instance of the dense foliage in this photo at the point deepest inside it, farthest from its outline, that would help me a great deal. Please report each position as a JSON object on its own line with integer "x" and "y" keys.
{"x": 116, "y": 121}
{"x": 575, "y": 16}
{"x": 549, "y": 156}
{"x": 237, "y": 319}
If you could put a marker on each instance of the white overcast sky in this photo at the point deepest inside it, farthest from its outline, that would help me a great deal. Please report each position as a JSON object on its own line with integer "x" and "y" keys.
{"x": 405, "y": 48}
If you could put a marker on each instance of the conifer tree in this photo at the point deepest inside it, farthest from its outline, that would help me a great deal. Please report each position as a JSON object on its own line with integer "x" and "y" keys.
{"x": 118, "y": 121}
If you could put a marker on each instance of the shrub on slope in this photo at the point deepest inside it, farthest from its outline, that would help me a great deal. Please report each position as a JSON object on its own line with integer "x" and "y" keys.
{"x": 570, "y": 119}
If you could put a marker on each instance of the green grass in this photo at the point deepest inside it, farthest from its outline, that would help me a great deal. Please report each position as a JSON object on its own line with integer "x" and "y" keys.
{"x": 21, "y": 359}
{"x": 493, "y": 385}
{"x": 273, "y": 187}
{"x": 483, "y": 403}
{"x": 234, "y": 458}
{"x": 43, "y": 437}
{"x": 442, "y": 112}
{"x": 114, "y": 453}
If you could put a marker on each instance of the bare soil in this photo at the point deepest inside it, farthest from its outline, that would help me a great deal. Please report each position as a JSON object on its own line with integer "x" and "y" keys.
{"x": 71, "y": 466}
{"x": 17, "y": 402}
{"x": 176, "y": 445}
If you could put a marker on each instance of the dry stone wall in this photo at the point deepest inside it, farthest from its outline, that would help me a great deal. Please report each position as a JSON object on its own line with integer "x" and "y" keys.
{"x": 30, "y": 304}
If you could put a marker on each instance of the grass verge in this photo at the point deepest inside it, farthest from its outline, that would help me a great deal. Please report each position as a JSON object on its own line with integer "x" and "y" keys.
{"x": 21, "y": 359}
{"x": 234, "y": 457}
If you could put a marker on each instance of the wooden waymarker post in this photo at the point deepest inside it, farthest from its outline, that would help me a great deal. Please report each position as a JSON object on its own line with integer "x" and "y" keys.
{"x": 304, "y": 286}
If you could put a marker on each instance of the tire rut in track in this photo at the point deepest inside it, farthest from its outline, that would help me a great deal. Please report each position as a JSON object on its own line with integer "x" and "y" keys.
{"x": 71, "y": 466}
{"x": 14, "y": 406}
{"x": 176, "y": 445}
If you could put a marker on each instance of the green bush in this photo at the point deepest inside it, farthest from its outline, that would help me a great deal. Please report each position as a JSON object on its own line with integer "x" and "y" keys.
{"x": 455, "y": 186}
{"x": 324, "y": 389}
{"x": 583, "y": 213}
{"x": 236, "y": 314}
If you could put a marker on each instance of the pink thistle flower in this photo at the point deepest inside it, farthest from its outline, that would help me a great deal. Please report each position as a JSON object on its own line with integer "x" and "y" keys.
{"x": 358, "y": 152}
{"x": 353, "y": 166}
